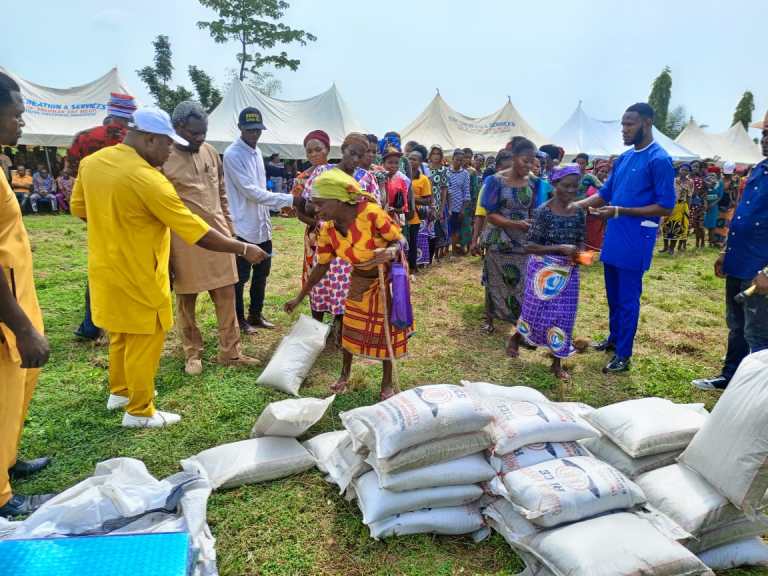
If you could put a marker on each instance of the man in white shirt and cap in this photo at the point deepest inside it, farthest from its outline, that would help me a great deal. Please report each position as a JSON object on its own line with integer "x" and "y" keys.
{"x": 250, "y": 203}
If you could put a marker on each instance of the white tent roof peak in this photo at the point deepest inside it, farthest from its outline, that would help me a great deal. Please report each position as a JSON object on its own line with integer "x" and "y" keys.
{"x": 287, "y": 121}
{"x": 602, "y": 138}
{"x": 440, "y": 124}
{"x": 734, "y": 144}
{"x": 54, "y": 115}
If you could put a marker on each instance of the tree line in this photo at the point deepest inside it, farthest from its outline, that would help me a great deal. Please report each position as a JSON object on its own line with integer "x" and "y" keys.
{"x": 672, "y": 122}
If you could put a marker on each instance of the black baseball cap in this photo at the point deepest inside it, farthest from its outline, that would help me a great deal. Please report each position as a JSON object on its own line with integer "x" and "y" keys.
{"x": 250, "y": 119}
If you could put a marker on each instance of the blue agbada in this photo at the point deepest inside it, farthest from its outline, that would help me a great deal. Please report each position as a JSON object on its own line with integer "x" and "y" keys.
{"x": 639, "y": 178}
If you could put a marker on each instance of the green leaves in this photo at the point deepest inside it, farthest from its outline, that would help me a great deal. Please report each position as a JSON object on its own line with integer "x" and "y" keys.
{"x": 254, "y": 24}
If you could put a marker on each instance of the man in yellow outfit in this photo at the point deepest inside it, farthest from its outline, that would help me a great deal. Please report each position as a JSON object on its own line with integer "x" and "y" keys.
{"x": 131, "y": 209}
{"x": 23, "y": 348}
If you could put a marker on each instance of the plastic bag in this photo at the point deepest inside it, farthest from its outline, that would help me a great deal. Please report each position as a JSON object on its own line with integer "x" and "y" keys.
{"x": 620, "y": 544}
{"x": 513, "y": 393}
{"x": 603, "y": 449}
{"x": 433, "y": 452}
{"x": 467, "y": 470}
{"x": 290, "y": 418}
{"x": 518, "y": 424}
{"x": 451, "y": 521}
{"x": 570, "y": 489}
{"x": 415, "y": 416}
{"x": 401, "y": 315}
{"x": 295, "y": 356}
{"x": 697, "y": 507}
{"x": 648, "y": 426}
{"x": 250, "y": 461}
{"x": 376, "y": 503}
{"x": 322, "y": 445}
{"x": 119, "y": 498}
{"x": 731, "y": 449}
{"x": 749, "y": 552}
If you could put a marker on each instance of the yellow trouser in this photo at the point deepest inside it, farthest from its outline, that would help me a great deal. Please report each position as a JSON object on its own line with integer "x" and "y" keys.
{"x": 16, "y": 387}
{"x": 133, "y": 363}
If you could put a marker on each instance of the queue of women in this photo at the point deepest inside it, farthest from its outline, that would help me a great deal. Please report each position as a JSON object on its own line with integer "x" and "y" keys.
{"x": 378, "y": 204}
{"x": 523, "y": 210}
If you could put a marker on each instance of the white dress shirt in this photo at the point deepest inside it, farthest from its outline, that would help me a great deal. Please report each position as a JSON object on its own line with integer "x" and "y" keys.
{"x": 245, "y": 180}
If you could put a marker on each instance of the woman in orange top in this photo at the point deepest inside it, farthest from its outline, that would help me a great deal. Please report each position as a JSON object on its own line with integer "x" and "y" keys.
{"x": 361, "y": 232}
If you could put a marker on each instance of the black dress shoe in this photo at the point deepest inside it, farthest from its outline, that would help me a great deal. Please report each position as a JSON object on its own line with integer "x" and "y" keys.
{"x": 617, "y": 365}
{"x": 260, "y": 322}
{"x": 20, "y": 505}
{"x": 604, "y": 346}
{"x": 25, "y": 468}
{"x": 717, "y": 383}
{"x": 246, "y": 328}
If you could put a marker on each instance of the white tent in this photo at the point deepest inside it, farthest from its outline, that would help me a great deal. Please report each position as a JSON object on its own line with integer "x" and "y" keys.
{"x": 287, "y": 121}
{"x": 54, "y": 115}
{"x": 441, "y": 124}
{"x": 734, "y": 144}
{"x": 602, "y": 138}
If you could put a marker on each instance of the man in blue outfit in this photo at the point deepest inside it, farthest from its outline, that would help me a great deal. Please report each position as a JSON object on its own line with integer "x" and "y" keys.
{"x": 639, "y": 191}
{"x": 744, "y": 263}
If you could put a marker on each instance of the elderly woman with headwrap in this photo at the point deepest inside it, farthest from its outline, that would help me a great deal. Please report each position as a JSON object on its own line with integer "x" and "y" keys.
{"x": 675, "y": 227}
{"x": 361, "y": 232}
{"x": 552, "y": 278}
{"x": 329, "y": 295}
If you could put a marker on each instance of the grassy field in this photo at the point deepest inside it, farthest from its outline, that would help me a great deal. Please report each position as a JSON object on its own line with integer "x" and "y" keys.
{"x": 300, "y": 525}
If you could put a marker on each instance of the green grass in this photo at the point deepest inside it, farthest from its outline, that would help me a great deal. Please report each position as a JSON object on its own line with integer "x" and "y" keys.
{"x": 300, "y": 525}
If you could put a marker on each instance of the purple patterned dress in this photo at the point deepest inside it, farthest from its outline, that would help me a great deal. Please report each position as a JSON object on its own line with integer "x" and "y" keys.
{"x": 552, "y": 284}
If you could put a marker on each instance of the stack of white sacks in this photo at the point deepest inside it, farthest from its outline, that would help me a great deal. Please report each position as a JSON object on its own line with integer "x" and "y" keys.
{"x": 414, "y": 463}
{"x": 566, "y": 511}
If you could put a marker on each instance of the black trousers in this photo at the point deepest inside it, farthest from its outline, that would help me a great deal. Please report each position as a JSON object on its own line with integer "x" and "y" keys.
{"x": 747, "y": 324}
{"x": 258, "y": 283}
{"x": 413, "y": 248}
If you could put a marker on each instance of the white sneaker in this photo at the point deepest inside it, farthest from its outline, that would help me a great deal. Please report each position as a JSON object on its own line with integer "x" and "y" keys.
{"x": 114, "y": 401}
{"x": 158, "y": 420}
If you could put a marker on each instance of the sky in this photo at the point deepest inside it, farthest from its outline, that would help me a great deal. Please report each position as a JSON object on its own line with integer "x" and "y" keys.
{"x": 388, "y": 58}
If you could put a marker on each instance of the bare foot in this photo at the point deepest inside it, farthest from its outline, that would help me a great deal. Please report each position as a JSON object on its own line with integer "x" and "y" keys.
{"x": 386, "y": 393}
{"x": 560, "y": 373}
{"x": 340, "y": 386}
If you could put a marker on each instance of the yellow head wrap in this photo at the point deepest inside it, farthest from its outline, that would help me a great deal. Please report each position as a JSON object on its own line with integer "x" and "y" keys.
{"x": 335, "y": 184}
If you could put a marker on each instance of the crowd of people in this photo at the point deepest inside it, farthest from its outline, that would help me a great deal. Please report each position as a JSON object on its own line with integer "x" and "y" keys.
{"x": 165, "y": 213}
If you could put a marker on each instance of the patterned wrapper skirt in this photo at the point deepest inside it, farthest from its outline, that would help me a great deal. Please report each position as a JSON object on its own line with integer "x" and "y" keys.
{"x": 422, "y": 247}
{"x": 363, "y": 327}
{"x": 676, "y": 224}
{"x": 504, "y": 281}
{"x": 550, "y": 304}
{"x": 330, "y": 293}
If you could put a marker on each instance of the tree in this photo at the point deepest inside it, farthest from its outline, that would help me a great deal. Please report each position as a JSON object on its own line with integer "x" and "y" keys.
{"x": 661, "y": 94}
{"x": 744, "y": 110}
{"x": 676, "y": 121}
{"x": 264, "y": 82}
{"x": 158, "y": 77}
{"x": 208, "y": 95}
{"x": 255, "y": 25}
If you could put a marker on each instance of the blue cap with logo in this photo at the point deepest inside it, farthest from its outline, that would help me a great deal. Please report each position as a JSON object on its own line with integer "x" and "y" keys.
{"x": 155, "y": 121}
{"x": 250, "y": 119}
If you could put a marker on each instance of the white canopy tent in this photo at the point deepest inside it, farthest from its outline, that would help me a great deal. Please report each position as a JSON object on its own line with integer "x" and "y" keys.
{"x": 733, "y": 145}
{"x": 441, "y": 124}
{"x": 602, "y": 138}
{"x": 287, "y": 121}
{"x": 54, "y": 115}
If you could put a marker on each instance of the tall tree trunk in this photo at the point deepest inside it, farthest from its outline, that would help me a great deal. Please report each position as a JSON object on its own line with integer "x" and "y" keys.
{"x": 243, "y": 54}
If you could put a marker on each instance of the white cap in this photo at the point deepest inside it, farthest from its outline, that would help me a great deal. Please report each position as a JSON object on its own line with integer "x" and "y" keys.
{"x": 155, "y": 121}
{"x": 729, "y": 167}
